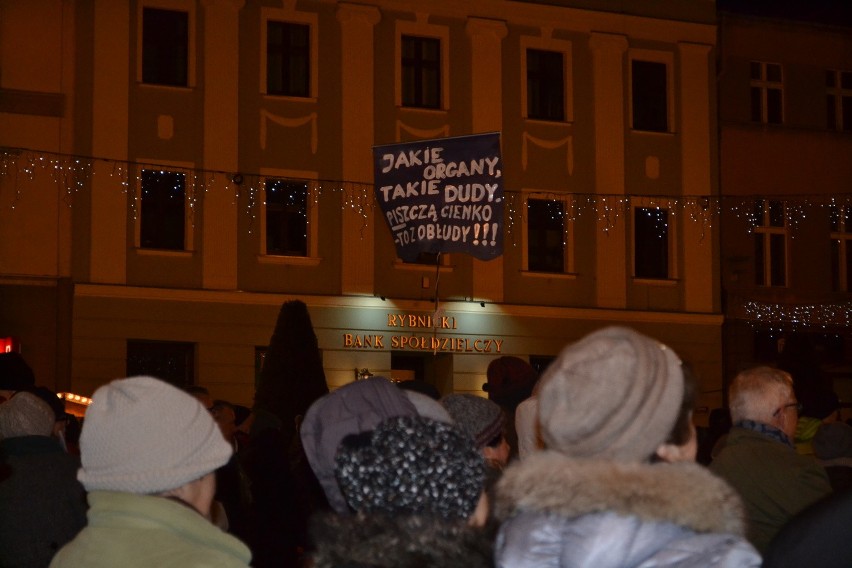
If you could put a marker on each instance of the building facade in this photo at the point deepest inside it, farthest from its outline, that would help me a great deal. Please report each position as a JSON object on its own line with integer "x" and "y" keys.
{"x": 174, "y": 170}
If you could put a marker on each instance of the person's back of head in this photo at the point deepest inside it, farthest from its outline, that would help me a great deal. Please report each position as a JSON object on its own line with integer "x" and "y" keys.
{"x": 25, "y": 414}
{"x": 15, "y": 374}
{"x": 758, "y": 393}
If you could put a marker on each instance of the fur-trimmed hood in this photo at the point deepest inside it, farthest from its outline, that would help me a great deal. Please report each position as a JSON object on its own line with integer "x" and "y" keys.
{"x": 686, "y": 494}
{"x": 400, "y": 541}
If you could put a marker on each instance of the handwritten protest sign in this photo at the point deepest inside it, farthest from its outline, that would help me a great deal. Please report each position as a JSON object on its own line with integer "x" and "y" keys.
{"x": 443, "y": 195}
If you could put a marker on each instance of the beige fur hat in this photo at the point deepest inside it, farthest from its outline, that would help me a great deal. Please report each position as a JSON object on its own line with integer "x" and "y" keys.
{"x": 615, "y": 394}
{"x": 142, "y": 435}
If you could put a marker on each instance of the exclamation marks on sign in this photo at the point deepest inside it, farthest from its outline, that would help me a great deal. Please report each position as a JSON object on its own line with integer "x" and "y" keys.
{"x": 485, "y": 228}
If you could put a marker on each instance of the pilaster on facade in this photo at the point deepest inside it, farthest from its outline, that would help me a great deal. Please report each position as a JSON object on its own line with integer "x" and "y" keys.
{"x": 608, "y": 52}
{"x": 357, "y": 136}
{"x": 486, "y": 37}
{"x": 221, "y": 135}
{"x": 110, "y": 102}
{"x": 696, "y": 108}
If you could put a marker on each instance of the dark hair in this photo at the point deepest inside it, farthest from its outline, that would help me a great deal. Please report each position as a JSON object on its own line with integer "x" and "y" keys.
{"x": 682, "y": 430}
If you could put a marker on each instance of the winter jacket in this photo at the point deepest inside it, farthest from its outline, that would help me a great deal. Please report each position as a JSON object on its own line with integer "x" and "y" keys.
{"x": 42, "y": 505}
{"x": 141, "y": 531}
{"x": 401, "y": 541}
{"x": 563, "y": 512}
{"x": 773, "y": 480}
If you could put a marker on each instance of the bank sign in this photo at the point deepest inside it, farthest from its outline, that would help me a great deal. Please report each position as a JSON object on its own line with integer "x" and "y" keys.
{"x": 442, "y": 195}
{"x": 414, "y": 332}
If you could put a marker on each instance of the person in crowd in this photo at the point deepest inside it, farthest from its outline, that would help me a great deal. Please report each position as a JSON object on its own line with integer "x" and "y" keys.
{"x": 616, "y": 484}
{"x": 832, "y": 445}
{"x": 232, "y": 485}
{"x": 510, "y": 382}
{"x": 149, "y": 452}
{"x": 759, "y": 459}
{"x": 42, "y": 505}
{"x": 416, "y": 487}
{"x": 58, "y": 406}
{"x": 818, "y": 407}
{"x": 15, "y": 375}
{"x": 202, "y": 394}
{"x": 817, "y": 536}
{"x": 526, "y": 424}
{"x": 711, "y": 439}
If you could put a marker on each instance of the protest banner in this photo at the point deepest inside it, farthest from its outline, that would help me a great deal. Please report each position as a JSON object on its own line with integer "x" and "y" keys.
{"x": 442, "y": 195}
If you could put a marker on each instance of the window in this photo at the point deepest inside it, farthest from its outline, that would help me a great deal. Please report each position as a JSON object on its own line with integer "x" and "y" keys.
{"x": 288, "y": 59}
{"x": 770, "y": 243}
{"x": 838, "y": 100}
{"x": 165, "y": 47}
{"x": 649, "y": 80}
{"x": 546, "y": 248}
{"x": 841, "y": 247}
{"x": 767, "y": 89}
{"x": 651, "y": 243}
{"x": 162, "y": 219}
{"x": 545, "y": 85}
{"x": 286, "y": 217}
{"x": 172, "y": 361}
{"x": 421, "y": 72}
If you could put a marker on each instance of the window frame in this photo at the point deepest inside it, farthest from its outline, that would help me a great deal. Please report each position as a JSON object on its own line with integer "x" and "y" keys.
{"x": 764, "y": 228}
{"x": 653, "y": 56}
{"x": 671, "y": 244}
{"x": 765, "y": 85}
{"x": 841, "y": 278}
{"x": 429, "y": 31}
{"x": 554, "y": 45}
{"x": 290, "y": 16}
{"x": 837, "y": 93}
{"x": 186, "y": 169}
{"x": 187, "y": 6}
{"x": 311, "y": 257}
{"x": 568, "y": 225}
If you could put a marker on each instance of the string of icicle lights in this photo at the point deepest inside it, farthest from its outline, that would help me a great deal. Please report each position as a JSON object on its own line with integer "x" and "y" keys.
{"x": 74, "y": 174}
{"x": 786, "y": 317}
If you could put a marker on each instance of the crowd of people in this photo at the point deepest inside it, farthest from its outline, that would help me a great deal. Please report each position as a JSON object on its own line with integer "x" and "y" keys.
{"x": 593, "y": 464}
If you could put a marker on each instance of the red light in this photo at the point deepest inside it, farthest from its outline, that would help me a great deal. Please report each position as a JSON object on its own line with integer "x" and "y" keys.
{"x": 9, "y": 345}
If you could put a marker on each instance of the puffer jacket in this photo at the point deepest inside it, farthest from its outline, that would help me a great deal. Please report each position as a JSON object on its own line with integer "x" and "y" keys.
{"x": 560, "y": 512}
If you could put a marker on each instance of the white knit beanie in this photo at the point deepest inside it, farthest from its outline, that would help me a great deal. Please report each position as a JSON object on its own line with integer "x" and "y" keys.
{"x": 142, "y": 435}
{"x": 615, "y": 394}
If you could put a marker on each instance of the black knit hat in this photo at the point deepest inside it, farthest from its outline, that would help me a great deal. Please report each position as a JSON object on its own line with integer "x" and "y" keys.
{"x": 478, "y": 417}
{"x": 411, "y": 465}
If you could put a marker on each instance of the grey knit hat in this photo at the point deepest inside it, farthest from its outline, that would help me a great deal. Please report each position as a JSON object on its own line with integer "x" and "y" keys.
{"x": 142, "y": 435}
{"x": 615, "y": 394}
{"x": 411, "y": 465}
{"x": 25, "y": 414}
{"x": 478, "y": 417}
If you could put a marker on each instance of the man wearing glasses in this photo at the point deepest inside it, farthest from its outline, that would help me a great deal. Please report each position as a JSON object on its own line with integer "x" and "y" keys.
{"x": 759, "y": 458}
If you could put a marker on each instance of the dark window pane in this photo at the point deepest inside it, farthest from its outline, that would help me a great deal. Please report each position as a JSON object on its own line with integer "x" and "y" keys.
{"x": 830, "y": 112}
{"x": 773, "y": 72}
{"x": 421, "y": 72}
{"x": 545, "y": 235}
{"x": 755, "y": 70}
{"x": 830, "y": 78}
{"x": 773, "y": 106}
{"x": 759, "y": 266}
{"x": 834, "y": 219}
{"x": 847, "y": 219}
{"x": 173, "y": 362}
{"x": 778, "y": 258}
{"x": 162, "y": 221}
{"x": 847, "y": 114}
{"x": 835, "y": 265}
{"x": 165, "y": 47}
{"x": 848, "y": 266}
{"x": 756, "y": 104}
{"x": 288, "y": 59}
{"x": 545, "y": 85}
{"x": 286, "y": 218}
{"x": 758, "y": 212}
{"x": 846, "y": 80}
{"x": 651, "y": 242}
{"x": 650, "y": 104}
{"x": 776, "y": 213}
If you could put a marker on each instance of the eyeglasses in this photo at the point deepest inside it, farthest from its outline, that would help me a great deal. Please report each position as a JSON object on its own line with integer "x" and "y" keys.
{"x": 796, "y": 405}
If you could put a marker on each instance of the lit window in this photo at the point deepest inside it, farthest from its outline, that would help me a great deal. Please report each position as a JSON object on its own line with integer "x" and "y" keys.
{"x": 767, "y": 89}
{"x": 649, "y": 80}
{"x": 770, "y": 243}
{"x": 288, "y": 61}
{"x": 841, "y": 247}
{"x": 171, "y": 361}
{"x": 547, "y": 232}
{"x": 165, "y": 47}
{"x": 286, "y": 218}
{"x": 421, "y": 72}
{"x": 838, "y": 100}
{"x": 651, "y": 243}
{"x": 163, "y": 206}
{"x": 545, "y": 85}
